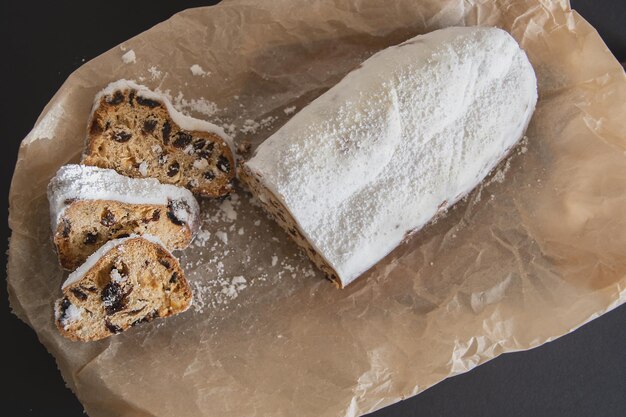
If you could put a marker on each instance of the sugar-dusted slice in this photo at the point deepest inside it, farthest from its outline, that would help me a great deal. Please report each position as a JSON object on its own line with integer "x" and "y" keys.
{"x": 90, "y": 206}
{"x": 138, "y": 133}
{"x": 124, "y": 283}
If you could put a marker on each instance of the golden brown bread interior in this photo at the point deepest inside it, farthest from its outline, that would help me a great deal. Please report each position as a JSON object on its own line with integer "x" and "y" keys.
{"x": 131, "y": 283}
{"x": 137, "y": 137}
{"x": 86, "y": 225}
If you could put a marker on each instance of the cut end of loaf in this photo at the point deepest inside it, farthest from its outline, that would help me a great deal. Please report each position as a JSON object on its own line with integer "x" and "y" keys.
{"x": 132, "y": 283}
{"x": 135, "y": 132}
{"x": 281, "y": 215}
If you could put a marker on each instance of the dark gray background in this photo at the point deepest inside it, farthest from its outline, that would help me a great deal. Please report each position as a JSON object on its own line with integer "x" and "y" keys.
{"x": 581, "y": 374}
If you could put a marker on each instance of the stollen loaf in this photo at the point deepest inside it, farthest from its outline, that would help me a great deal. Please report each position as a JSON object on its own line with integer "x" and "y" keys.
{"x": 401, "y": 138}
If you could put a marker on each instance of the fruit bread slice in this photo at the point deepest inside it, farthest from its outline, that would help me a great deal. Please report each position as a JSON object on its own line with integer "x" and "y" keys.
{"x": 91, "y": 205}
{"x": 124, "y": 283}
{"x": 399, "y": 140}
{"x": 138, "y": 133}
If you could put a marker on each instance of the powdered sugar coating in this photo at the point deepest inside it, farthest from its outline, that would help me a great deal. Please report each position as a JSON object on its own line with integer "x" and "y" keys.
{"x": 82, "y": 182}
{"x": 410, "y": 132}
{"x": 94, "y": 257}
{"x": 182, "y": 120}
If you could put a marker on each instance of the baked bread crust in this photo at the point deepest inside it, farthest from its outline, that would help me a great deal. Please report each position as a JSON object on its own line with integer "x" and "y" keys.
{"x": 125, "y": 283}
{"x": 138, "y": 133}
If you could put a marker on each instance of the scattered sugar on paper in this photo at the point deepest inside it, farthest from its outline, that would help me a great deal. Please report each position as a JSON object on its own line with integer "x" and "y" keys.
{"x": 129, "y": 57}
{"x": 251, "y": 126}
{"x": 290, "y": 110}
{"x": 202, "y": 237}
{"x": 230, "y": 129}
{"x": 198, "y": 70}
{"x": 214, "y": 287}
{"x": 223, "y": 236}
{"x": 228, "y": 209}
{"x": 185, "y": 106}
{"x": 155, "y": 73}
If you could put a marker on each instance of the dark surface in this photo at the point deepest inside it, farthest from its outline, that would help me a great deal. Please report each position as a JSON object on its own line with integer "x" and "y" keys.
{"x": 581, "y": 374}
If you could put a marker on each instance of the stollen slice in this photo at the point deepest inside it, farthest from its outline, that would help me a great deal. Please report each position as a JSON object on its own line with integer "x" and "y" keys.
{"x": 138, "y": 133}
{"x": 90, "y": 206}
{"x": 126, "y": 282}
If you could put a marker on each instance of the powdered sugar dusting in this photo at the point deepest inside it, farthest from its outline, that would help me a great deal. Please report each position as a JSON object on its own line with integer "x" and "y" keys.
{"x": 224, "y": 249}
{"x": 175, "y": 107}
{"x": 417, "y": 126}
{"x": 81, "y": 182}
{"x": 197, "y": 70}
{"x": 129, "y": 57}
{"x": 155, "y": 73}
{"x": 251, "y": 126}
{"x": 72, "y": 315}
{"x": 117, "y": 277}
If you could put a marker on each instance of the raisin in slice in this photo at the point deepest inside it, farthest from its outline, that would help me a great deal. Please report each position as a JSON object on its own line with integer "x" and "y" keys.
{"x": 165, "y": 263}
{"x": 172, "y": 207}
{"x": 131, "y": 96}
{"x": 65, "y": 304}
{"x": 174, "y": 219}
{"x": 223, "y": 164}
{"x": 108, "y": 218}
{"x": 149, "y": 125}
{"x": 95, "y": 128}
{"x": 174, "y": 278}
{"x": 90, "y": 238}
{"x": 112, "y": 327}
{"x": 209, "y": 175}
{"x": 173, "y": 169}
{"x": 67, "y": 228}
{"x": 165, "y": 131}
{"x": 117, "y": 98}
{"x": 204, "y": 154}
{"x": 147, "y": 102}
{"x": 113, "y": 297}
{"x": 199, "y": 144}
{"x": 182, "y": 140}
{"x": 79, "y": 294}
{"x": 156, "y": 215}
{"x": 121, "y": 137}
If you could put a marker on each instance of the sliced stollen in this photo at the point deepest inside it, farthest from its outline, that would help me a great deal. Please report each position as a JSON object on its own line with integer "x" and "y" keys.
{"x": 90, "y": 206}
{"x": 138, "y": 133}
{"x": 124, "y": 283}
{"x": 400, "y": 139}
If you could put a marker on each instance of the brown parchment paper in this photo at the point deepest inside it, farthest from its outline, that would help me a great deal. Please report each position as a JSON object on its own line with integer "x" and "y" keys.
{"x": 533, "y": 254}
